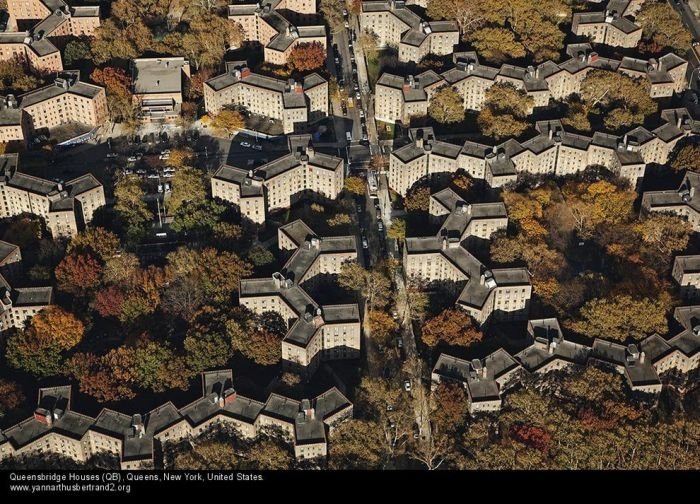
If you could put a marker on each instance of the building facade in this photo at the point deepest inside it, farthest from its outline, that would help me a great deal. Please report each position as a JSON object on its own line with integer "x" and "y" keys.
{"x": 66, "y": 208}
{"x": 443, "y": 260}
{"x": 547, "y": 81}
{"x": 157, "y": 87}
{"x": 55, "y": 428}
{"x": 66, "y": 101}
{"x": 271, "y": 23}
{"x": 549, "y": 350}
{"x": 295, "y": 104}
{"x": 315, "y": 332}
{"x": 553, "y": 151}
{"x": 275, "y": 185}
{"x": 49, "y": 23}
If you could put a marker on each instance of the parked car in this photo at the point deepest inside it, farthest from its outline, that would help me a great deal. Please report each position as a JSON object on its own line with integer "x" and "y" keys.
{"x": 347, "y": 25}
{"x": 358, "y": 95}
{"x": 132, "y": 159}
{"x": 399, "y": 342}
{"x": 362, "y": 113}
{"x": 380, "y": 225}
{"x": 160, "y": 188}
{"x": 167, "y": 187}
{"x": 163, "y": 157}
{"x": 407, "y": 384}
{"x": 112, "y": 155}
{"x": 365, "y": 243}
{"x": 152, "y": 176}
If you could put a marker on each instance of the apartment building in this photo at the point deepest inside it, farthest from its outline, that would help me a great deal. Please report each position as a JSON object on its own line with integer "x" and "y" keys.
{"x": 316, "y": 332}
{"x": 66, "y": 208}
{"x": 49, "y": 23}
{"x": 486, "y": 295}
{"x": 553, "y": 151}
{"x": 18, "y": 304}
{"x": 686, "y": 271}
{"x": 684, "y": 201}
{"x": 398, "y": 26}
{"x": 549, "y": 350}
{"x": 275, "y": 185}
{"x": 271, "y": 24}
{"x": 55, "y": 428}
{"x": 295, "y": 104}
{"x": 157, "y": 87}
{"x": 613, "y": 26}
{"x": 484, "y": 379}
{"x": 547, "y": 81}
{"x": 67, "y": 100}
{"x": 400, "y": 98}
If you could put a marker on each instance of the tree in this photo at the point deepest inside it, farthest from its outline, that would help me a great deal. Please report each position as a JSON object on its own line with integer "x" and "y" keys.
{"x": 256, "y": 343}
{"x": 621, "y": 317}
{"x": 368, "y": 42}
{"x": 686, "y": 158}
{"x": 624, "y": 101}
{"x": 26, "y": 352}
{"x": 469, "y": 14}
{"x": 14, "y": 77}
{"x": 115, "y": 80}
{"x": 505, "y": 111}
{"x": 452, "y": 407}
{"x": 433, "y": 452}
{"x": 663, "y": 28}
{"x": 452, "y": 327}
{"x": 208, "y": 38}
{"x": 129, "y": 201}
{"x": 666, "y": 233}
{"x": 228, "y": 121}
{"x": 107, "y": 378}
{"x": 108, "y": 301}
{"x": 341, "y": 219}
{"x": 332, "y": 12}
{"x": 577, "y": 116}
{"x": 397, "y": 231}
{"x": 76, "y": 50}
{"x": 307, "y": 56}
{"x": 23, "y": 231}
{"x": 158, "y": 368}
{"x": 532, "y": 24}
{"x": 195, "y": 86}
{"x": 55, "y": 326}
{"x": 78, "y": 273}
{"x": 381, "y": 325}
{"x": 446, "y": 106}
{"x": 218, "y": 273}
{"x": 357, "y": 444}
{"x": 11, "y": 396}
{"x": 267, "y": 454}
{"x": 377, "y": 163}
{"x": 120, "y": 269}
{"x": 183, "y": 297}
{"x": 355, "y": 185}
{"x": 181, "y": 157}
{"x": 497, "y": 44}
{"x": 373, "y": 285}
{"x": 104, "y": 244}
{"x": 207, "y": 456}
{"x": 418, "y": 199}
{"x": 206, "y": 351}
{"x": 260, "y": 256}
{"x": 189, "y": 185}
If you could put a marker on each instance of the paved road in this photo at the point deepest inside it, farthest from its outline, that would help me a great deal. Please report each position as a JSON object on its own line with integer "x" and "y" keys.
{"x": 689, "y": 20}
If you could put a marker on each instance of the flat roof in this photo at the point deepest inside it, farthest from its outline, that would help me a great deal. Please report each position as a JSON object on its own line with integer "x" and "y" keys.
{"x": 158, "y": 75}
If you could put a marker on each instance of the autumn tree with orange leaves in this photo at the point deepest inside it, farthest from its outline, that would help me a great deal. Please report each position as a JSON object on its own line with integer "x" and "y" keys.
{"x": 78, "y": 273}
{"x": 452, "y": 327}
{"x": 305, "y": 57}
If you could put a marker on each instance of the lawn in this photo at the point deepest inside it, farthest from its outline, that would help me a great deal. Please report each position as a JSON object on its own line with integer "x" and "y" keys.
{"x": 373, "y": 69}
{"x": 385, "y": 130}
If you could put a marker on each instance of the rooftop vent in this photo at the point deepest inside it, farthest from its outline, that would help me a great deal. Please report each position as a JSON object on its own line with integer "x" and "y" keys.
{"x": 696, "y": 330}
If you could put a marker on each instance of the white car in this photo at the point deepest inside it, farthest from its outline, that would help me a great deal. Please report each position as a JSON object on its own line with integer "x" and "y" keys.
{"x": 364, "y": 243}
{"x": 164, "y": 157}
{"x": 362, "y": 113}
{"x": 407, "y": 385}
{"x": 358, "y": 95}
{"x": 112, "y": 155}
{"x": 132, "y": 159}
{"x": 166, "y": 151}
{"x": 245, "y": 144}
{"x": 153, "y": 176}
